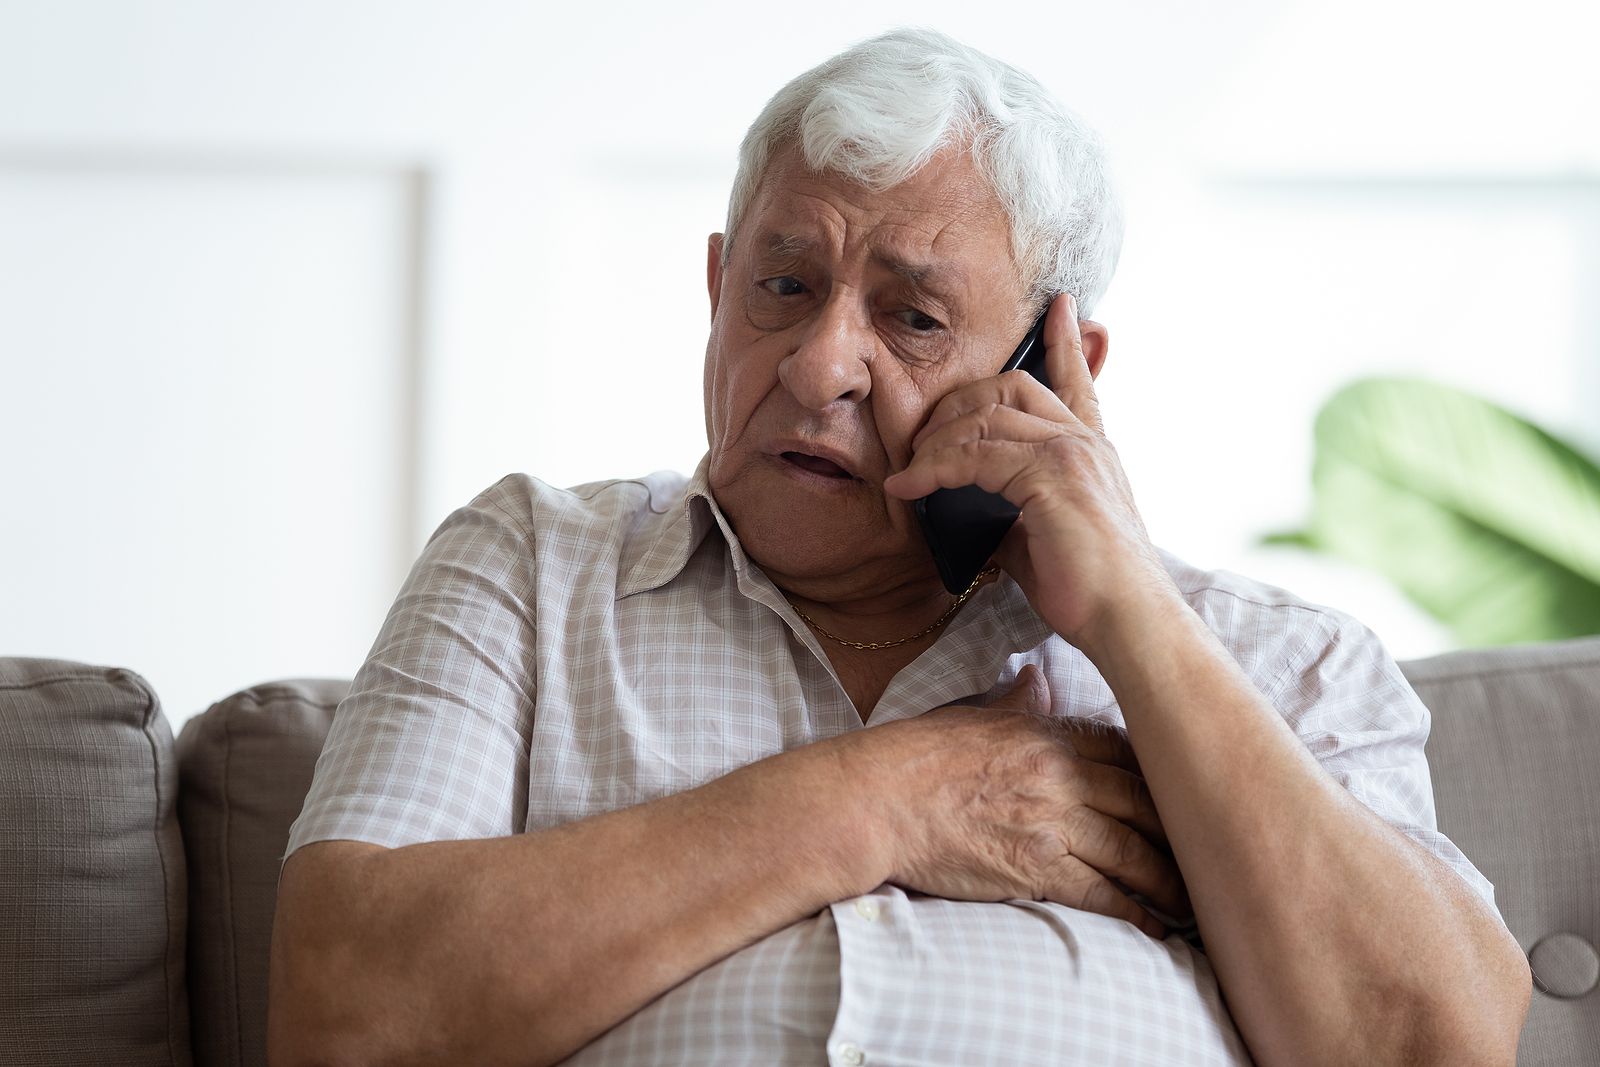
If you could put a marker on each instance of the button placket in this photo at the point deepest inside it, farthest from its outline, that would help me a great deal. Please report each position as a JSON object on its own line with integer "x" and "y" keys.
{"x": 869, "y": 941}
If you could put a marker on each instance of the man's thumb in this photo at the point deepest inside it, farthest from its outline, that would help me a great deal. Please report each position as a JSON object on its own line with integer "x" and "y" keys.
{"x": 1029, "y": 692}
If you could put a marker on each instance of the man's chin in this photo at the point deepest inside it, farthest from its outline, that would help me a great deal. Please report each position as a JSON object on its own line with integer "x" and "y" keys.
{"x": 806, "y": 524}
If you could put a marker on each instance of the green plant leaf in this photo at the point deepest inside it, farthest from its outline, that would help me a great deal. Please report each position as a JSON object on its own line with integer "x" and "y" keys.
{"x": 1295, "y": 538}
{"x": 1485, "y": 520}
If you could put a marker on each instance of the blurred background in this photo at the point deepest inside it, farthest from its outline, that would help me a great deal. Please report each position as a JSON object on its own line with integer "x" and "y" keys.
{"x": 282, "y": 285}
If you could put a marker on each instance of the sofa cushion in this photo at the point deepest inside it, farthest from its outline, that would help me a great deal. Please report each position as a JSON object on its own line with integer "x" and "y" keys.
{"x": 1514, "y": 751}
{"x": 91, "y": 870}
{"x": 246, "y": 765}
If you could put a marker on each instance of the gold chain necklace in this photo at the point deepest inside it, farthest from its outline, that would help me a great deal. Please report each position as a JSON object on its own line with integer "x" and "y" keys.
{"x": 940, "y": 621}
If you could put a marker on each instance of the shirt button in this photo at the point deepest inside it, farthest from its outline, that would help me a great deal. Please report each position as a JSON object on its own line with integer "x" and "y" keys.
{"x": 850, "y": 1055}
{"x": 867, "y": 908}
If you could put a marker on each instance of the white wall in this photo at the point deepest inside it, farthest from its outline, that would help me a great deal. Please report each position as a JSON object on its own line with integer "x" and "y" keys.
{"x": 281, "y": 285}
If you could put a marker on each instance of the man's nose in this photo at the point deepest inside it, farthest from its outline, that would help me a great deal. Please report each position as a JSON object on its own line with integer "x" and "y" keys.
{"x": 831, "y": 362}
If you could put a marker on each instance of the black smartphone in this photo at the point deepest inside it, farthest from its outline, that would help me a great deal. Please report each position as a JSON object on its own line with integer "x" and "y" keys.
{"x": 964, "y": 526}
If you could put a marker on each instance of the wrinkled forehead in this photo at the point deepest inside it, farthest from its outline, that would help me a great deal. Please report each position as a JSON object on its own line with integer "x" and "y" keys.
{"x": 943, "y": 221}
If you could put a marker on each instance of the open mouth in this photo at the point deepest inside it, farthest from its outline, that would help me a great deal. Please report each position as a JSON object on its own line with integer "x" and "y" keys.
{"x": 817, "y": 465}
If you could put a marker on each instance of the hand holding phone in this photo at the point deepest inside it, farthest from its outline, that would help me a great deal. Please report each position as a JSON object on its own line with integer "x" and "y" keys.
{"x": 964, "y": 526}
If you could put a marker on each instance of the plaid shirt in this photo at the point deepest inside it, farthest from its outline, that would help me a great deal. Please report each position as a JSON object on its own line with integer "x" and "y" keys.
{"x": 555, "y": 654}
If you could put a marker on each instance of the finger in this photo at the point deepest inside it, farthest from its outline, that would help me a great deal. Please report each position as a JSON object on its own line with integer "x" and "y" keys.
{"x": 1078, "y": 885}
{"x": 1066, "y": 364}
{"x": 1014, "y": 389}
{"x": 991, "y": 422}
{"x": 1185, "y": 918}
{"x": 1117, "y": 851}
{"x": 1120, "y": 795}
{"x": 990, "y": 465}
{"x": 1029, "y": 692}
{"x": 1103, "y": 742}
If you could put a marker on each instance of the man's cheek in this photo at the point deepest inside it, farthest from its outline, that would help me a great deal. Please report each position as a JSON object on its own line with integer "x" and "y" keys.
{"x": 734, "y": 405}
{"x": 897, "y": 426}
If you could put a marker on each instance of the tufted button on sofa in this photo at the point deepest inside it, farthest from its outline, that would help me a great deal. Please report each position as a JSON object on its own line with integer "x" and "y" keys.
{"x": 1565, "y": 966}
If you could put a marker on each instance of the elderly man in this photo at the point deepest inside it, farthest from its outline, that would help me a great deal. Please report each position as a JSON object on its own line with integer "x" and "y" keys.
{"x": 714, "y": 770}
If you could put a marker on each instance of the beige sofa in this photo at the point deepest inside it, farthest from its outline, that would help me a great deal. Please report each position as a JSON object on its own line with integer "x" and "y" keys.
{"x": 138, "y": 876}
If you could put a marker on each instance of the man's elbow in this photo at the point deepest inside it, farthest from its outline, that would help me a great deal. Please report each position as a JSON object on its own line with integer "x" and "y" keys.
{"x": 309, "y": 1023}
{"x": 1508, "y": 991}
{"x": 1481, "y": 1023}
{"x": 323, "y": 1009}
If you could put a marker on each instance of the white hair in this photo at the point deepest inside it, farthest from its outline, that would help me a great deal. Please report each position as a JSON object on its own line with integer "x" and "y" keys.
{"x": 877, "y": 112}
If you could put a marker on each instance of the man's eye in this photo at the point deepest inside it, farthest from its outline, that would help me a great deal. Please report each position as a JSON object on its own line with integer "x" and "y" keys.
{"x": 784, "y": 286}
{"x": 918, "y": 321}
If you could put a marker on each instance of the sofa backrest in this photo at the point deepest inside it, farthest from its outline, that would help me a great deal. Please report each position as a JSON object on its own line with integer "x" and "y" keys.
{"x": 92, "y": 949}
{"x": 246, "y": 767}
{"x": 92, "y": 917}
{"x": 1514, "y": 756}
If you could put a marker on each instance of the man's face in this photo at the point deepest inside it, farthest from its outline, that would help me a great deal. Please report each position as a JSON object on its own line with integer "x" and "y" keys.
{"x": 842, "y": 318}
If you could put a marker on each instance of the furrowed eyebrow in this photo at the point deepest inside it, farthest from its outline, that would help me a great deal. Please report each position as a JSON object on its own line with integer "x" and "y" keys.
{"x": 938, "y": 278}
{"x": 788, "y": 245}
{"x": 934, "y": 277}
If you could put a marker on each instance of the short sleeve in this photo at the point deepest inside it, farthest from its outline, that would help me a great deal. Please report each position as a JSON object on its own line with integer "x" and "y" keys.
{"x": 1345, "y": 697}
{"x": 432, "y": 741}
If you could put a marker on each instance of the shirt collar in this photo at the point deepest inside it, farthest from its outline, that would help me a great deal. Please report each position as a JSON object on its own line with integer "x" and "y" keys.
{"x": 1003, "y": 617}
{"x": 676, "y": 532}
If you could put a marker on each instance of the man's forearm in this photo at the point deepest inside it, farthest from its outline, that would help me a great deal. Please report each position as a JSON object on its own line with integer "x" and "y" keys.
{"x": 520, "y": 950}
{"x": 1335, "y": 938}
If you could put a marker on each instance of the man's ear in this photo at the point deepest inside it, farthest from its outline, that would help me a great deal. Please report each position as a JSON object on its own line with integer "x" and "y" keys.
{"x": 714, "y": 270}
{"x": 1096, "y": 345}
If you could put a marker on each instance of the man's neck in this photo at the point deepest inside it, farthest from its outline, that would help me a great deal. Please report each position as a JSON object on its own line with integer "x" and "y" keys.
{"x": 908, "y": 619}
{"x": 873, "y": 617}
